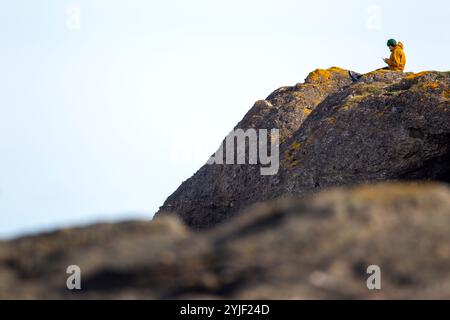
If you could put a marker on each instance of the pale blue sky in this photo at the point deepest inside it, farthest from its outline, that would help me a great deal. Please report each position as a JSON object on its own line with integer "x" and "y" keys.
{"x": 104, "y": 122}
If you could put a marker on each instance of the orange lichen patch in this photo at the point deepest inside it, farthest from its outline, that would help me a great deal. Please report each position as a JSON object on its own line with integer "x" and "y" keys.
{"x": 296, "y": 146}
{"x": 434, "y": 85}
{"x": 307, "y": 111}
{"x": 290, "y": 160}
{"x": 381, "y": 114}
{"x": 417, "y": 75}
{"x": 324, "y": 75}
{"x": 446, "y": 93}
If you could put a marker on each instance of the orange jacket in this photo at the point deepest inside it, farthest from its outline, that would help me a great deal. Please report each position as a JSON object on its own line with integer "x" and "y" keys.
{"x": 397, "y": 61}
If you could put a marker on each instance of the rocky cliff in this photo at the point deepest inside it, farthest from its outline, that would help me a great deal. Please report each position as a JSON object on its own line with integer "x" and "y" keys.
{"x": 333, "y": 132}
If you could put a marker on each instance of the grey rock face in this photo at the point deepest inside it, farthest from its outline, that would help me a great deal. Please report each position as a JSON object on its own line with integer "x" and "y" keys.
{"x": 388, "y": 126}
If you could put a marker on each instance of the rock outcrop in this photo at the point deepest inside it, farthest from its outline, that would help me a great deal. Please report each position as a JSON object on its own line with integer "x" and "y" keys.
{"x": 312, "y": 247}
{"x": 388, "y": 126}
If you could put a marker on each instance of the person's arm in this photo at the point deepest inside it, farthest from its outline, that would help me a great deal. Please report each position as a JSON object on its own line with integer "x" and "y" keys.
{"x": 391, "y": 61}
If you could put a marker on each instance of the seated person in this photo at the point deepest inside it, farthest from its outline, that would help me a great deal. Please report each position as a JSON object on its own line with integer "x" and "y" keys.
{"x": 396, "y": 62}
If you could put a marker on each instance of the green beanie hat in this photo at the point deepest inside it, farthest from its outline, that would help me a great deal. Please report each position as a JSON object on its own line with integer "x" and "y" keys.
{"x": 391, "y": 43}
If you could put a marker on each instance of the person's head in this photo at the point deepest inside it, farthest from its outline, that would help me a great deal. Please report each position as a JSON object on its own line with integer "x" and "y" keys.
{"x": 391, "y": 44}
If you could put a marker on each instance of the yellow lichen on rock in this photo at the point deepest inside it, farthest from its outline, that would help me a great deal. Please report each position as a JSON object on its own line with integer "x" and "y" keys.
{"x": 446, "y": 93}
{"x": 289, "y": 158}
{"x": 307, "y": 111}
{"x": 433, "y": 85}
{"x": 416, "y": 75}
{"x": 296, "y": 146}
{"x": 324, "y": 75}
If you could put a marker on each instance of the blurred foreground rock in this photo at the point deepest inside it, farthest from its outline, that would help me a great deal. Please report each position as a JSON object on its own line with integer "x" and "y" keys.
{"x": 310, "y": 247}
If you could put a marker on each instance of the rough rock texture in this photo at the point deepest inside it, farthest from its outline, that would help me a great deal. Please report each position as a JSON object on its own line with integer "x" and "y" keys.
{"x": 388, "y": 126}
{"x": 316, "y": 246}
